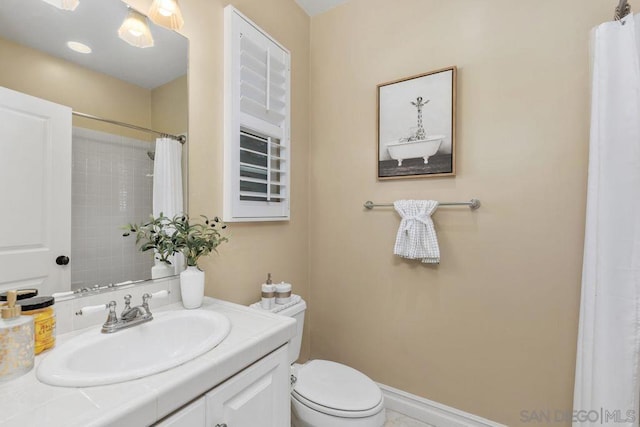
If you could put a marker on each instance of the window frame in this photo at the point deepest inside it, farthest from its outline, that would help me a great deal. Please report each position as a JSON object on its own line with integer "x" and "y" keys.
{"x": 236, "y": 121}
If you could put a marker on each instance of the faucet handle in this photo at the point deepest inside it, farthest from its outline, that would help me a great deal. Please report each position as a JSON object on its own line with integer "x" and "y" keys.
{"x": 160, "y": 294}
{"x": 113, "y": 317}
{"x": 91, "y": 309}
{"x": 127, "y": 302}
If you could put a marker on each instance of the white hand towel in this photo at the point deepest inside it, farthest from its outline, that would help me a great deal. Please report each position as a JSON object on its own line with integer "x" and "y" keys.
{"x": 416, "y": 238}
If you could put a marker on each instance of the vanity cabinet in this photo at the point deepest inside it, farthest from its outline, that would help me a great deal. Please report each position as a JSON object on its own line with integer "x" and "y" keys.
{"x": 194, "y": 414}
{"x": 257, "y": 396}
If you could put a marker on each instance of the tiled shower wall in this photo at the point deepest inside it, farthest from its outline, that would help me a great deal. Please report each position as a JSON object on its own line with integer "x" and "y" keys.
{"x": 112, "y": 183}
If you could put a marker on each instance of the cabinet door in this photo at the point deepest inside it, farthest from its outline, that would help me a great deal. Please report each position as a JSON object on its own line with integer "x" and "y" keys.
{"x": 192, "y": 415}
{"x": 256, "y": 397}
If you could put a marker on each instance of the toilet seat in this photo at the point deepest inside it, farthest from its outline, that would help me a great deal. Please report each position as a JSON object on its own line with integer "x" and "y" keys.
{"x": 338, "y": 390}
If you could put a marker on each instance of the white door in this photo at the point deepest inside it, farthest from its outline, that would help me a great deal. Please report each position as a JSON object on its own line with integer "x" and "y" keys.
{"x": 256, "y": 397}
{"x": 35, "y": 192}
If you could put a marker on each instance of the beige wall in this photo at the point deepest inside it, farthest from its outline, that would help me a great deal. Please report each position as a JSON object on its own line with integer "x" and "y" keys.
{"x": 170, "y": 106}
{"x": 38, "y": 74}
{"x": 237, "y": 271}
{"x": 492, "y": 329}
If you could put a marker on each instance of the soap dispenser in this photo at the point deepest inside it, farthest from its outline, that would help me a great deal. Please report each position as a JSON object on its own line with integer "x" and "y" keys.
{"x": 16, "y": 340}
{"x": 268, "y": 294}
{"x": 283, "y": 293}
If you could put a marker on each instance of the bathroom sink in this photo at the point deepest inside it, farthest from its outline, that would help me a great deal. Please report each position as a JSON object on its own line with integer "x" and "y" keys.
{"x": 170, "y": 339}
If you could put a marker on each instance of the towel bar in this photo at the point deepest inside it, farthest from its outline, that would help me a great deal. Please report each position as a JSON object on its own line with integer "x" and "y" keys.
{"x": 473, "y": 204}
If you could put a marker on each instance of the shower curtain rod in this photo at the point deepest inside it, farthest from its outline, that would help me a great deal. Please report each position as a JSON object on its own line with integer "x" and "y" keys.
{"x": 622, "y": 10}
{"x": 180, "y": 138}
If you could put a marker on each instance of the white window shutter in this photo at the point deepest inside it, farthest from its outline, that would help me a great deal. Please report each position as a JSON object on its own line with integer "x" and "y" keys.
{"x": 257, "y": 119}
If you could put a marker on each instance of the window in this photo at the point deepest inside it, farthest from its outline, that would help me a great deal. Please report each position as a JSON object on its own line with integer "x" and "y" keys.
{"x": 257, "y": 118}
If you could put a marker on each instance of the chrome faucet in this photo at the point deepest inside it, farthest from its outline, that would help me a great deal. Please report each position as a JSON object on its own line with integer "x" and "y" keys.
{"x": 130, "y": 316}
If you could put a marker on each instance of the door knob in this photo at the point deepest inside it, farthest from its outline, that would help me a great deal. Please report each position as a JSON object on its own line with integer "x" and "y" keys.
{"x": 62, "y": 260}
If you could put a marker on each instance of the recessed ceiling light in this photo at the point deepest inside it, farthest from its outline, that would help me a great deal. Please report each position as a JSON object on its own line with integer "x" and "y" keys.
{"x": 79, "y": 47}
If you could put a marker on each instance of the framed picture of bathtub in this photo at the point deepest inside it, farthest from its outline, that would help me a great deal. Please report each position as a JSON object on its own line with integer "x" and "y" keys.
{"x": 417, "y": 126}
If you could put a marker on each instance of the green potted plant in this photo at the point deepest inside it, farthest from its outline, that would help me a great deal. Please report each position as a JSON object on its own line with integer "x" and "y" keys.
{"x": 152, "y": 235}
{"x": 193, "y": 239}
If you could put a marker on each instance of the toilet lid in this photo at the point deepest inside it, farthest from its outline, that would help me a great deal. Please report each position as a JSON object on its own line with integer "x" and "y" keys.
{"x": 336, "y": 386}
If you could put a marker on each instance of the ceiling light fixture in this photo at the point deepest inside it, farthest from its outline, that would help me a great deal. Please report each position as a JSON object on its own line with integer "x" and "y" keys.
{"x": 135, "y": 31}
{"x": 166, "y": 13}
{"x": 79, "y": 47}
{"x": 64, "y": 4}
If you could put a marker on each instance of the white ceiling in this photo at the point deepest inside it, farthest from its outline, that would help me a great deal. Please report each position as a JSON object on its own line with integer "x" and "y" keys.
{"x": 316, "y": 7}
{"x": 95, "y": 23}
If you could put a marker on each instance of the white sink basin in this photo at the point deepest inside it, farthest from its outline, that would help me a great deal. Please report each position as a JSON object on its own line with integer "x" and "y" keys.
{"x": 170, "y": 339}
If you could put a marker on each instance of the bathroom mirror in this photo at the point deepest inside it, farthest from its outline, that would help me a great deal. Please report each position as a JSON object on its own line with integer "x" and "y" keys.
{"x": 112, "y": 172}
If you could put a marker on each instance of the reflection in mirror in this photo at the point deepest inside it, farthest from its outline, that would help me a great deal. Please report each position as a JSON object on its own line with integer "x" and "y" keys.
{"x": 113, "y": 166}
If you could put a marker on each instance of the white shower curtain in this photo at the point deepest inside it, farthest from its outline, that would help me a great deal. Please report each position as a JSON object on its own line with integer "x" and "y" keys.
{"x": 167, "y": 184}
{"x": 609, "y": 335}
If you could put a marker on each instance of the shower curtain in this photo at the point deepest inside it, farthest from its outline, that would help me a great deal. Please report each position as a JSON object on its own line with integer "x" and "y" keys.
{"x": 167, "y": 184}
{"x": 607, "y": 383}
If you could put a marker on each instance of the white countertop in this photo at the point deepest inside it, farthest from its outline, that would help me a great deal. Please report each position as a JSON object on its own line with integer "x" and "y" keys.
{"x": 27, "y": 402}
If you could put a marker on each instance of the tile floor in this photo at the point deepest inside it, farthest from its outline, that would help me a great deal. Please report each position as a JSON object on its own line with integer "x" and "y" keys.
{"x": 395, "y": 419}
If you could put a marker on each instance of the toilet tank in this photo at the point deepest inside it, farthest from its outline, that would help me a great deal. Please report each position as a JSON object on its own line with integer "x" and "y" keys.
{"x": 297, "y": 312}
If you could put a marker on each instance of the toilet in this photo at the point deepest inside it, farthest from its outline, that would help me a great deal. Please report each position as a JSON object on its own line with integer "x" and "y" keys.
{"x": 329, "y": 394}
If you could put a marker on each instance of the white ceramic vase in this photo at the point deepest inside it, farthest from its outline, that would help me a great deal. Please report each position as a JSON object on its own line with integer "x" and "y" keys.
{"x": 162, "y": 269}
{"x": 192, "y": 287}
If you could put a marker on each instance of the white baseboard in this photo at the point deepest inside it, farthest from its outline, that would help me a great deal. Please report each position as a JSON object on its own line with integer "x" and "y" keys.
{"x": 430, "y": 412}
